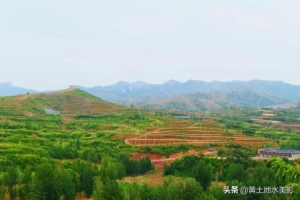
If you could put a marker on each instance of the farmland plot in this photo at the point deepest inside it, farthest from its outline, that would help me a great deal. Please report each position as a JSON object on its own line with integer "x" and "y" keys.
{"x": 184, "y": 132}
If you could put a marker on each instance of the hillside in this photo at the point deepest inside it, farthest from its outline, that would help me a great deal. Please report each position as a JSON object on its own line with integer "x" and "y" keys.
{"x": 141, "y": 92}
{"x": 240, "y": 97}
{"x": 68, "y": 101}
{"x": 80, "y": 144}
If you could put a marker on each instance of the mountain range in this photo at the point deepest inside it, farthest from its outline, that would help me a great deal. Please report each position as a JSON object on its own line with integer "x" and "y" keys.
{"x": 7, "y": 89}
{"x": 190, "y": 95}
{"x": 237, "y": 97}
{"x": 199, "y": 95}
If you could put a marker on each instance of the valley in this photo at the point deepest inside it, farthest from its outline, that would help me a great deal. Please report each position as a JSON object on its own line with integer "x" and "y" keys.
{"x": 88, "y": 146}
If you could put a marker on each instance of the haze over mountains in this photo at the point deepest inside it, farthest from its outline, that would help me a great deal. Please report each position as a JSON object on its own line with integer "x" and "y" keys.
{"x": 198, "y": 95}
{"x": 7, "y": 89}
{"x": 190, "y": 95}
{"x": 239, "y": 97}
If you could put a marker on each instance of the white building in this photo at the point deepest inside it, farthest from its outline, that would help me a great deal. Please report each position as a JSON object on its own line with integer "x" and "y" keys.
{"x": 282, "y": 153}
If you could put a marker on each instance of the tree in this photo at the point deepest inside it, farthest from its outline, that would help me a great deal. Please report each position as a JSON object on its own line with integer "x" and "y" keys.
{"x": 78, "y": 144}
{"x": 111, "y": 168}
{"x": 2, "y": 189}
{"x": 65, "y": 185}
{"x": 205, "y": 196}
{"x": 132, "y": 192}
{"x": 175, "y": 190}
{"x": 146, "y": 164}
{"x": 262, "y": 176}
{"x": 10, "y": 180}
{"x": 217, "y": 191}
{"x": 286, "y": 174}
{"x": 87, "y": 181}
{"x": 236, "y": 172}
{"x": 43, "y": 185}
{"x": 24, "y": 188}
{"x": 221, "y": 153}
{"x": 192, "y": 189}
{"x": 145, "y": 192}
{"x": 111, "y": 190}
{"x": 77, "y": 167}
{"x": 98, "y": 189}
{"x": 202, "y": 172}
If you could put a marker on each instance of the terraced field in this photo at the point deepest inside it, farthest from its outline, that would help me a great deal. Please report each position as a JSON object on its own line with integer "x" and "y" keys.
{"x": 184, "y": 132}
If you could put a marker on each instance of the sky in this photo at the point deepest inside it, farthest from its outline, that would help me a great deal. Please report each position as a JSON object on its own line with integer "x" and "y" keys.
{"x": 49, "y": 45}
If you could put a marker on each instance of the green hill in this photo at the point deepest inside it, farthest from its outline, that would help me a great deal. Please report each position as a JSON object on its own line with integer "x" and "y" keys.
{"x": 240, "y": 97}
{"x": 68, "y": 101}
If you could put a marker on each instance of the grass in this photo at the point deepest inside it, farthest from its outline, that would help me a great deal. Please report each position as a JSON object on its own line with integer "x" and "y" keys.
{"x": 151, "y": 179}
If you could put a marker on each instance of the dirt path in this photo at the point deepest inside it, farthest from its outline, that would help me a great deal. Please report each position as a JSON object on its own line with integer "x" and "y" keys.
{"x": 141, "y": 136}
{"x": 159, "y": 161}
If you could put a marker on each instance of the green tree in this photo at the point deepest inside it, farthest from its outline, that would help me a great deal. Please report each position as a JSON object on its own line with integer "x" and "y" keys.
{"x": 262, "y": 176}
{"x": 287, "y": 174}
{"x": 2, "y": 188}
{"x": 145, "y": 192}
{"x": 160, "y": 193}
{"x": 221, "y": 153}
{"x": 111, "y": 168}
{"x": 146, "y": 164}
{"x": 24, "y": 188}
{"x": 202, "y": 172}
{"x": 205, "y": 196}
{"x": 43, "y": 185}
{"x": 98, "y": 189}
{"x": 65, "y": 185}
{"x": 111, "y": 190}
{"x": 216, "y": 191}
{"x": 192, "y": 189}
{"x": 175, "y": 190}
{"x": 78, "y": 144}
{"x": 132, "y": 192}
{"x": 10, "y": 180}
{"x": 236, "y": 172}
{"x": 88, "y": 181}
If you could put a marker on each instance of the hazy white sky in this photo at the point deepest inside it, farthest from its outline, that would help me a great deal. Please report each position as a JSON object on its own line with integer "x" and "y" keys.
{"x": 53, "y": 44}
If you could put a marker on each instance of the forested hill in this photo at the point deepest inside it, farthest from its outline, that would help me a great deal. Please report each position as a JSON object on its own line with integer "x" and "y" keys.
{"x": 141, "y": 92}
{"x": 68, "y": 101}
{"x": 240, "y": 97}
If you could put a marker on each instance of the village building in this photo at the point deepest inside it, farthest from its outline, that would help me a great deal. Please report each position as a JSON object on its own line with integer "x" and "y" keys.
{"x": 183, "y": 117}
{"x": 212, "y": 149}
{"x": 282, "y": 153}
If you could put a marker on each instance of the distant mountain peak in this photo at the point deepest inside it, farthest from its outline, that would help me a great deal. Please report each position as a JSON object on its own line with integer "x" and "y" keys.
{"x": 172, "y": 82}
{"x": 139, "y": 82}
{"x": 7, "y": 89}
{"x": 122, "y": 83}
